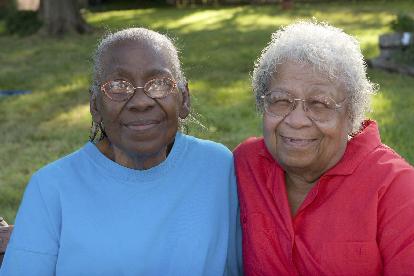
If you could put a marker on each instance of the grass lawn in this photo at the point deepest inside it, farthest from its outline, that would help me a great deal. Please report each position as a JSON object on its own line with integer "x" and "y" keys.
{"x": 219, "y": 46}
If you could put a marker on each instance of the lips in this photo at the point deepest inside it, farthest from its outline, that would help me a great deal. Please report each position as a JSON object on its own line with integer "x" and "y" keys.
{"x": 297, "y": 142}
{"x": 142, "y": 125}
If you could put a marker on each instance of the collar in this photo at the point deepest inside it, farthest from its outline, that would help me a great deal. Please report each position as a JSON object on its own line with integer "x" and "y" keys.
{"x": 357, "y": 149}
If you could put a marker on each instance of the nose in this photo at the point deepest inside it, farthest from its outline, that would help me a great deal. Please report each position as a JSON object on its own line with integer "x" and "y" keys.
{"x": 140, "y": 101}
{"x": 298, "y": 118}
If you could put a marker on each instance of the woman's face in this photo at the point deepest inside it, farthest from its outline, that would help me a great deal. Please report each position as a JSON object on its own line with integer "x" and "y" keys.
{"x": 300, "y": 144}
{"x": 140, "y": 126}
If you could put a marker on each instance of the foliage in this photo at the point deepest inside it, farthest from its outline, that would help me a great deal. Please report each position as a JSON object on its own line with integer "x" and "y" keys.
{"x": 6, "y": 8}
{"x": 22, "y": 23}
{"x": 403, "y": 23}
{"x": 219, "y": 46}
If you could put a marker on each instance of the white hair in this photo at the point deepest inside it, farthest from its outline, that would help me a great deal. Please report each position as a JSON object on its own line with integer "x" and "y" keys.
{"x": 330, "y": 51}
{"x": 161, "y": 43}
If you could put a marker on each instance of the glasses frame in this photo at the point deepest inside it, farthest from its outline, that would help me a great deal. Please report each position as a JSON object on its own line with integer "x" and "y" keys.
{"x": 295, "y": 105}
{"x": 130, "y": 95}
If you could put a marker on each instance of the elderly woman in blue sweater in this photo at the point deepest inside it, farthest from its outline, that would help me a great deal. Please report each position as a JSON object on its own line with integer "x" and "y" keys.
{"x": 141, "y": 198}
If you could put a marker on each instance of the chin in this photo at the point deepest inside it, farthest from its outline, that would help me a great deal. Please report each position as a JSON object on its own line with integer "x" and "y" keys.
{"x": 295, "y": 161}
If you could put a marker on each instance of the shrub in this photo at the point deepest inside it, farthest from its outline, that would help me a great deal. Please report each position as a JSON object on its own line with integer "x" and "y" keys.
{"x": 403, "y": 23}
{"x": 22, "y": 23}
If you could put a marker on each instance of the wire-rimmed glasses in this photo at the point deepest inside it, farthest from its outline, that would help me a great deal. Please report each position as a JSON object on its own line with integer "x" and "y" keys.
{"x": 122, "y": 90}
{"x": 319, "y": 108}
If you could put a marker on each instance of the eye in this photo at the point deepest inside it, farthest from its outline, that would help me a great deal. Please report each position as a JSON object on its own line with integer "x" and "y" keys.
{"x": 159, "y": 88}
{"x": 318, "y": 103}
{"x": 119, "y": 86}
{"x": 163, "y": 84}
{"x": 278, "y": 98}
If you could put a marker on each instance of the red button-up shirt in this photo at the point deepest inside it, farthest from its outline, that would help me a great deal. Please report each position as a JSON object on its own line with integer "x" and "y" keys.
{"x": 358, "y": 219}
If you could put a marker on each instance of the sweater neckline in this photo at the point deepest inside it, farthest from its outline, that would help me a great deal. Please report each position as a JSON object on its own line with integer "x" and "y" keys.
{"x": 117, "y": 171}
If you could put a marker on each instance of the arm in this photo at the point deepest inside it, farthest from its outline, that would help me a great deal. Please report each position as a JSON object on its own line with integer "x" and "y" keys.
{"x": 234, "y": 258}
{"x": 396, "y": 225}
{"x": 34, "y": 243}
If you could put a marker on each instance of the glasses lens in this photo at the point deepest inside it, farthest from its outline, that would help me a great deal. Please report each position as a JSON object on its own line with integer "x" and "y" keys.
{"x": 278, "y": 103}
{"x": 321, "y": 108}
{"x": 159, "y": 88}
{"x": 118, "y": 90}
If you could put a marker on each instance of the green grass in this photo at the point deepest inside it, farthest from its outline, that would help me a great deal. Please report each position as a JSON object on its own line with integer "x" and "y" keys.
{"x": 219, "y": 46}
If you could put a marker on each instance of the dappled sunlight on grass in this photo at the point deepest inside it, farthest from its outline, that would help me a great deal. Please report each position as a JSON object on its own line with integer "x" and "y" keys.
{"x": 381, "y": 104}
{"x": 96, "y": 18}
{"x": 79, "y": 116}
{"x": 219, "y": 47}
{"x": 253, "y": 22}
{"x": 210, "y": 18}
{"x": 382, "y": 109}
{"x": 393, "y": 110}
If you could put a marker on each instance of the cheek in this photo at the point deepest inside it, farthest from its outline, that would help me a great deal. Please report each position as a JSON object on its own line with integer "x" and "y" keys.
{"x": 336, "y": 136}
{"x": 270, "y": 128}
{"x": 110, "y": 116}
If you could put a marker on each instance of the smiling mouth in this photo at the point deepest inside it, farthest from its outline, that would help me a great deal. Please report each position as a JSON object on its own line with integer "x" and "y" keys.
{"x": 142, "y": 125}
{"x": 297, "y": 142}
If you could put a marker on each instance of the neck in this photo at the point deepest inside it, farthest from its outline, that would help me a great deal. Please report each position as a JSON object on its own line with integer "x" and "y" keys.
{"x": 133, "y": 160}
{"x": 297, "y": 189}
{"x": 299, "y": 183}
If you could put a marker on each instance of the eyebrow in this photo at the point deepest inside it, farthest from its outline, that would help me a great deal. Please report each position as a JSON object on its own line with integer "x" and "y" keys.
{"x": 325, "y": 91}
{"x": 157, "y": 72}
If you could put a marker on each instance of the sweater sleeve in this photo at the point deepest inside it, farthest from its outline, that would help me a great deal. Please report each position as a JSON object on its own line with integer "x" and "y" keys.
{"x": 395, "y": 225}
{"x": 34, "y": 243}
{"x": 234, "y": 258}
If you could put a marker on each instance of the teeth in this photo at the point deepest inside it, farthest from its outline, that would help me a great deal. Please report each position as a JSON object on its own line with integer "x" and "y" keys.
{"x": 298, "y": 141}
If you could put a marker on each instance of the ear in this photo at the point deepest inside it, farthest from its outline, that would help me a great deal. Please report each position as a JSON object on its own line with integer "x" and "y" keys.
{"x": 185, "y": 104}
{"x": 94, "y": 109}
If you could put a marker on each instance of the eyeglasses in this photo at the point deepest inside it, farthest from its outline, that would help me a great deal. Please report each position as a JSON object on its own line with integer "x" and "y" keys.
{"x": 319, "y": 108}
{"x": 122, "y": 90}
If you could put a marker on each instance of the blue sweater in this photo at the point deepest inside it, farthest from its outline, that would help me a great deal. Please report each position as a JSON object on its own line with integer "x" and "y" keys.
{"x": 86, "y": 215}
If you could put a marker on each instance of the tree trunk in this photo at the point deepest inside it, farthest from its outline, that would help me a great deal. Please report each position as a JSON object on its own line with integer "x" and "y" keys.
{"x": 287, "y": 4}
{"x": 62, "y": 16}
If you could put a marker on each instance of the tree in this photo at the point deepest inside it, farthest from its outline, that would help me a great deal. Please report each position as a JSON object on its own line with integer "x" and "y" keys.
{"x": 287, "y": 4}
{"x": 62, "y": 16}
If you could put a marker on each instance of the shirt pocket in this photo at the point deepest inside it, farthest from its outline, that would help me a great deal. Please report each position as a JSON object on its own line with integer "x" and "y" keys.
{"x": 351, "y": 258}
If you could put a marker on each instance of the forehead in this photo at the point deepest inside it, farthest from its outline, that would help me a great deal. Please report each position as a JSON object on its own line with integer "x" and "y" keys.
{"x": 135, "y": 57}
{"x": 304, "y": 78}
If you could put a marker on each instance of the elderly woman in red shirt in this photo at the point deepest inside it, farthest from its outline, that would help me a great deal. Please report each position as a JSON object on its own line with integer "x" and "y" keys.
{"x": 319, "y": 193}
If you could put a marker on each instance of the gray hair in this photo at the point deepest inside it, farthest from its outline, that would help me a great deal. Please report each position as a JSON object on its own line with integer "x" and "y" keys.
{"x": 159, "y": 42}
{"x": 330, "y": 51}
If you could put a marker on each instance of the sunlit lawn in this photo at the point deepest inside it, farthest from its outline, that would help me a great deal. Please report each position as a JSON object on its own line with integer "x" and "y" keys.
{"x": 219, "y": 46}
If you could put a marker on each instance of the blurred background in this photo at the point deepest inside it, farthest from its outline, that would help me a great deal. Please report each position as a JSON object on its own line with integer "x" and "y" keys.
{"x": 45, "y": 68}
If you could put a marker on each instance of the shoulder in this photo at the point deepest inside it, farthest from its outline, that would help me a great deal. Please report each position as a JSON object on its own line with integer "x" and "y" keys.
{"x": 391, "y": 173}
{"x": 251, "y": 146}
{"x": 384, "y": 159}
{"x": 61, "y": 168}
{"x": 208, "y": 158}
{"x": 252, "y": 157}
{"x": 207, "y": 147}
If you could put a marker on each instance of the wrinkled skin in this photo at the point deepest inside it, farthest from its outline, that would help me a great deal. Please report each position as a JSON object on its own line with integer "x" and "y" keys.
{"x": 305, "y": 148}
{"x": 141, "y": 130}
